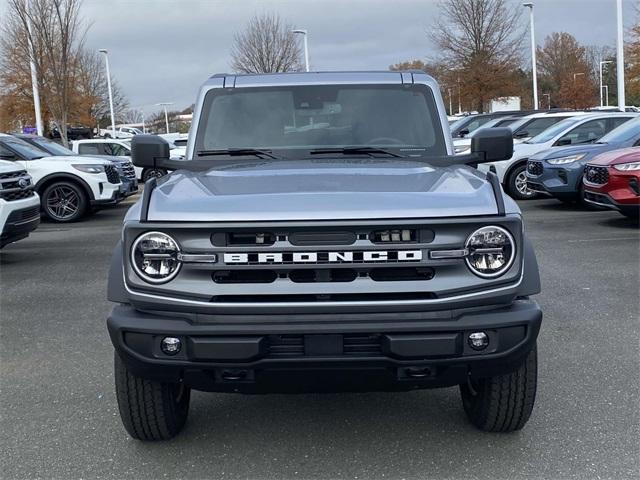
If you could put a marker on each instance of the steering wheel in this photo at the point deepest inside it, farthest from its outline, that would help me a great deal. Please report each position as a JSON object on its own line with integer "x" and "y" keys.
{"x": 384, "y": 141}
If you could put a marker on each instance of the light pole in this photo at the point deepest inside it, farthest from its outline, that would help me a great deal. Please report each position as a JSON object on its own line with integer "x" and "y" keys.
{"x": 166, "y": 116}
{"x": 306, "y": 48}
{"x": 606, "y": 89}
{"x": 113, "y": 120}
{"x": 604, "y": 62}
{"x": 548, "y": 95}
{"x": 450, "y": 102}
{"x": 459, "y": 99}
{"x": 620, "y": 57}
{"x": 34, "y": 73}
{"x": 529, "y": 5}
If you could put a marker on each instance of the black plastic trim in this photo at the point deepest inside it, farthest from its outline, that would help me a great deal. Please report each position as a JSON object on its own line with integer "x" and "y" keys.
{"x": 492, "y": 178}
{"x": 149, "y": 186}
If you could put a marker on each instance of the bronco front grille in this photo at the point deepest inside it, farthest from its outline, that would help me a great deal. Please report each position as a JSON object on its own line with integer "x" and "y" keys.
{"x": 534, "y": 168}
{"x": 596, "y": 175}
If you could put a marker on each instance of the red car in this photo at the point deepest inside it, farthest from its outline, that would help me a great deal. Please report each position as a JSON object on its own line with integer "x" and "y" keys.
{"x": 612, "y": 180}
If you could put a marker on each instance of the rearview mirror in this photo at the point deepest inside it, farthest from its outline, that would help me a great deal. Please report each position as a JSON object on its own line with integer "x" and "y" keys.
{"x": 492, "y": 144}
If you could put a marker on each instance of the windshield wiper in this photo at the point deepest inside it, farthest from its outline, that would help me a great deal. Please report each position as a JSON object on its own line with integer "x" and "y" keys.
{"x": 236, "y": 152}
{"x": 354, "y": 150}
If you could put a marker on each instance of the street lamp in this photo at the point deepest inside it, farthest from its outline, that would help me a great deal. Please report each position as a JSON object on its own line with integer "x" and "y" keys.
{"x": 548, "y": 95}
{"x": 450, "y": 102}
{"x": 166, "y": 116}
{"x": 113, "y": 120}
{"x": 34, "y": 74}
{"x": 306, "y": 48}
{"x": 604, "y": 62}
{"x": 529, "y": 5}
{"x": 620, "y": 57}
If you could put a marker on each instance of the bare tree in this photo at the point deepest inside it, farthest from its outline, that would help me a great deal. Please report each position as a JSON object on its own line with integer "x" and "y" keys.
{"x": 480, "y": 44}
{"x": 92, "y": 95}
{"x": 132, "y": 115}
{"x": 57, "y": 36}
{"x": 266, "y": 45}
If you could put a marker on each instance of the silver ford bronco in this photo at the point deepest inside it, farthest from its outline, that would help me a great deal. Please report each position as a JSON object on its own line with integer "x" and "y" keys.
{"x": 320, "y": 235}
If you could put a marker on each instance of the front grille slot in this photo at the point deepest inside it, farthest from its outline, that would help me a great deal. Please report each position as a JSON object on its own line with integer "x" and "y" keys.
{"x": 245, "y": 276}
{"x": 362, "y": 345}
{"x": 302, "y": 239}
{"x": 17, "y": 194}
{"x": 286, "y": 345}
{"x": 323, "y": 275}
{"x": 319, "y": 298}
{"x": 535, "y": 168}
{"x": 259, "y": 239}
{"x": 399, "y": 274}
{"x": 596, "y": 175}
{"x": 23, "y": 215}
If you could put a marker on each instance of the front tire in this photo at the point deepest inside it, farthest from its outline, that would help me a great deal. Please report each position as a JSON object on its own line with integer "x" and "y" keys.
{"x": 150, "y": 410}
{"x": 502, "y": 403}
{"x": 64, "y": 202}
{"x": 517, "y": 184}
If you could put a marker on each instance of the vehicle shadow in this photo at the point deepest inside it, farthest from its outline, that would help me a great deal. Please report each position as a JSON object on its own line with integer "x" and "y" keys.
{"x": 622, "y": 222}
{"x": 306, "y": 436}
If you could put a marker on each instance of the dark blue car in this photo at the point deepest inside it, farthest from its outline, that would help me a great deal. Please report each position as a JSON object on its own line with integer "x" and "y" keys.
{"x": 558, "y": 172}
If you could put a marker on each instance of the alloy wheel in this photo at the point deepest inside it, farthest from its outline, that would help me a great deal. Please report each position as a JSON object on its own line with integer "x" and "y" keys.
{"x": 63, "y": 202}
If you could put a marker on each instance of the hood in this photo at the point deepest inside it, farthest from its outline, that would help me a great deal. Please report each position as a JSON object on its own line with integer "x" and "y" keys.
{"x": 321, "y": 190}
{"x": 74, "y": 159}
{"x": 8, "y": 167}
{"x": 615, "y": 157}
{"x": 590, "y": 150}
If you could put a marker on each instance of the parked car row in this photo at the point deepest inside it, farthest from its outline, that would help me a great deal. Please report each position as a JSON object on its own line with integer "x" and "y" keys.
{"x": 574, "y": 156}
{"x": 37, "y": 175}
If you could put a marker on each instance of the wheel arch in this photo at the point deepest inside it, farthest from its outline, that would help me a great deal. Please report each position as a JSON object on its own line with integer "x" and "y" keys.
{"x": 512, "y": 167}
{"x": 69, "y": 177}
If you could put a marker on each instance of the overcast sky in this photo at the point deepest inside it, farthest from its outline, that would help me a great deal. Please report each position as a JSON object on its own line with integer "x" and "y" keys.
{"x": 162, "y": 50}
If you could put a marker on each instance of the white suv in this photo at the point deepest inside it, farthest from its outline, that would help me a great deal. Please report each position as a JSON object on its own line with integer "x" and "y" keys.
{"x": 122, "y": 148}
{"x": 19, "y": 203}
{"x": 581, "y": 129}
{"x": 69, "y": 186}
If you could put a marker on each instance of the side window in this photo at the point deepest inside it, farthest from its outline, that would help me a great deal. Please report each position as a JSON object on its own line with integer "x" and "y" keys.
{"x": 88, "y": 149}
{"x": 5, "y": 153}
{"x": 586, "y": 133}
{"x": 115, "y": 149}
{"x": 539, "y": 125}
{"x": 616, "y": 122}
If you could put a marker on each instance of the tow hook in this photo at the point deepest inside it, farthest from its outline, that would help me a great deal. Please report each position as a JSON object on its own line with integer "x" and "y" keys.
{"x": 418, "y": 372}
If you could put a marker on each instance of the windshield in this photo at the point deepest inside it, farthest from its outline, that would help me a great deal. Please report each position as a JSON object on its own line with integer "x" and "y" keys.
{"x": 23, "y": 148}
{"x": 399, "y": 118}
{"x": 551, "y": 132}
{"x": 626, "y": 132}
{"x": 50, "y": 146}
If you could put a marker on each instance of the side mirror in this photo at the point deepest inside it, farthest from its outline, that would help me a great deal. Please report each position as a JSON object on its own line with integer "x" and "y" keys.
{"x": 463, "y": 132}
{"x": 149, "y": 151}
{"x": 492, "y": 144}
{"x": 563, "y": 141}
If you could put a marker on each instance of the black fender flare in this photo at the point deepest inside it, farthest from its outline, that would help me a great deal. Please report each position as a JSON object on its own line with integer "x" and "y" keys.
{"x": 531, "y": 274}
{"x": 116, "y": 291}
{"x": 65, "y": 176}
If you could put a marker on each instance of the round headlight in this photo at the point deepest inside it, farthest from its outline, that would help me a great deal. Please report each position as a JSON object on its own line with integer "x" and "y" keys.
{"x": 491, "y": 251}
{"x": 154, "y": 256}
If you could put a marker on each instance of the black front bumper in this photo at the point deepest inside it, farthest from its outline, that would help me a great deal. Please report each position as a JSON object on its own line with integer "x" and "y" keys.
{"x": 19, "y": 224}
{"x": 390, "y": 352}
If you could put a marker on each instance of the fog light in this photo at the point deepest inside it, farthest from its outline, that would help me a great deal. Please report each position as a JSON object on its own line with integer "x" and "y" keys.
{"x": 171, "y": 345}
{"x": 478, "y": 340}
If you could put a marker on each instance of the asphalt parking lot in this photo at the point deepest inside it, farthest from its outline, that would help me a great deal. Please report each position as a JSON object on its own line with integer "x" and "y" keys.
{"x": 59, "y": 414}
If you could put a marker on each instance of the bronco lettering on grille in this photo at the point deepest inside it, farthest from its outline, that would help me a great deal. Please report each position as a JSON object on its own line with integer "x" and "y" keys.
{"x": 324, "y": 257}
